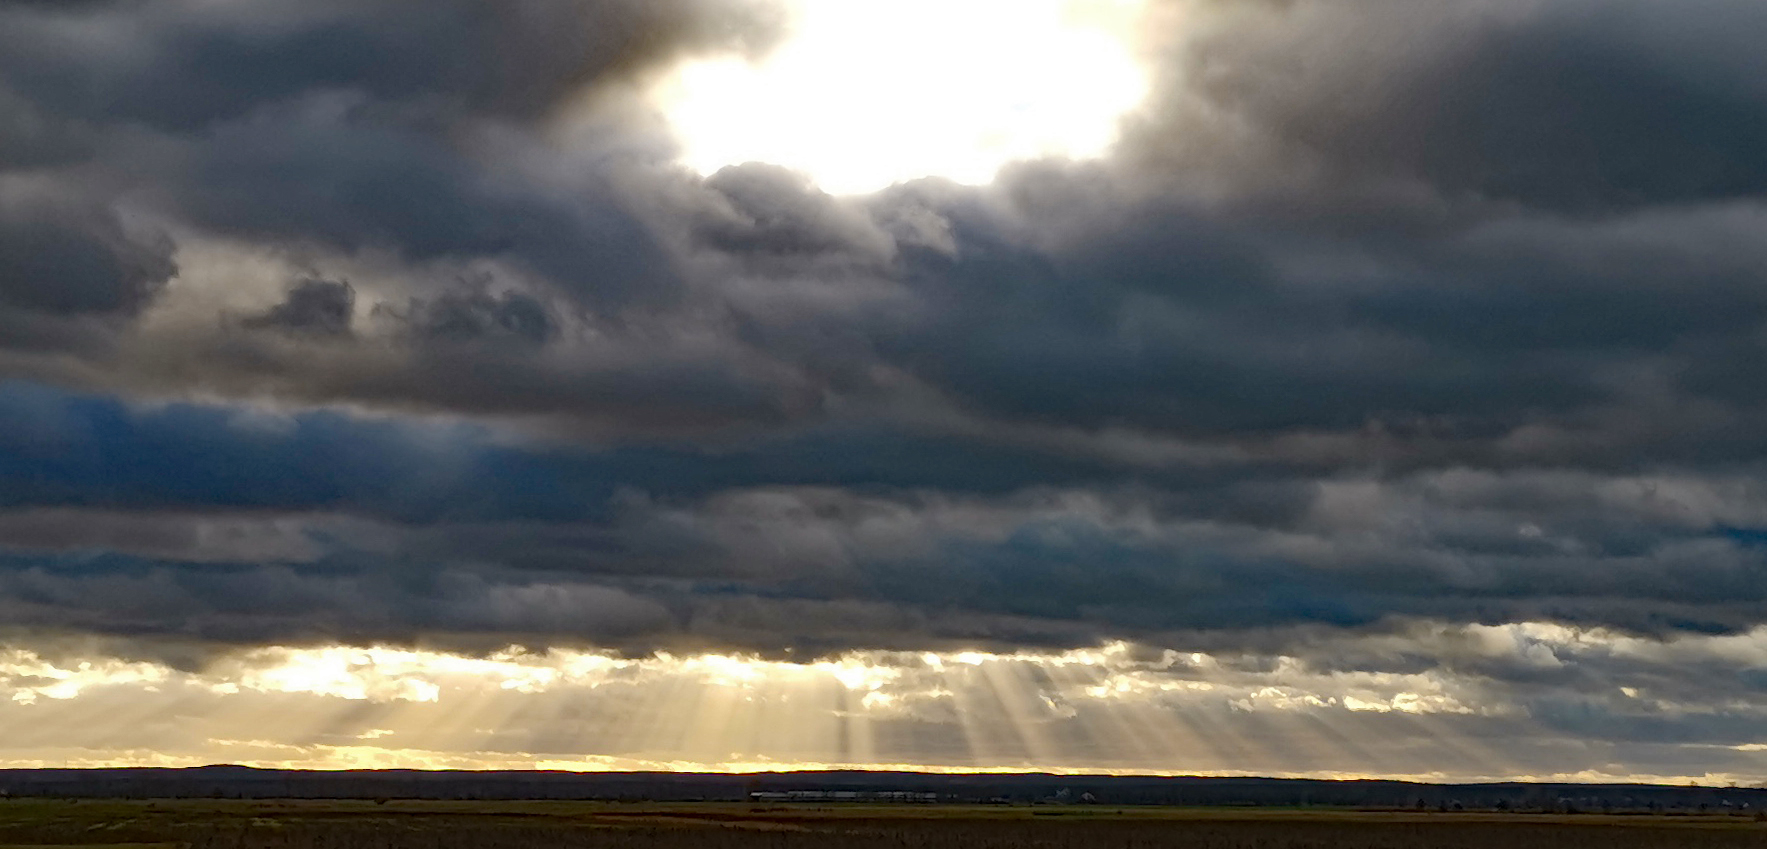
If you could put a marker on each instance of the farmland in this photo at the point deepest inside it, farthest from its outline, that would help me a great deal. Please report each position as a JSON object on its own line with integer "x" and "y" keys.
{"x": 321, "y": 824}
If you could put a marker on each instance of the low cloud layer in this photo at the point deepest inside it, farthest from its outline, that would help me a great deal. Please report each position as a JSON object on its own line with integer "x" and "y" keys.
{"x": 1527, "y": 700}
{"x": 396, "y": 324}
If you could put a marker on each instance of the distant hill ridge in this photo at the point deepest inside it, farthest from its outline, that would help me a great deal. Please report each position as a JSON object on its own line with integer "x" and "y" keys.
{"x": 240, "y": 782}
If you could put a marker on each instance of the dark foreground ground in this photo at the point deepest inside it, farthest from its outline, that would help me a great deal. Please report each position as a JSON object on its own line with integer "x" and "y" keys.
{"x": 350, "y": 824}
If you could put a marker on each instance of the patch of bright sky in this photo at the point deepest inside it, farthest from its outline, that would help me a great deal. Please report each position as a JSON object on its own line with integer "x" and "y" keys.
{"x": 1110, "y": 708}
{"x": 1141, "y": 710}
{"x": 866, "y": 93}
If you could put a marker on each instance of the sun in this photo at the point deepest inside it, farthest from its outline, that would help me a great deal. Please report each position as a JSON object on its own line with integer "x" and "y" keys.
{"x": 866, "y": 93}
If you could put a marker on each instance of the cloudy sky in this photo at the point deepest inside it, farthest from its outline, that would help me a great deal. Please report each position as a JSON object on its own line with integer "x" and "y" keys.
{"x": 1300, "y": 387}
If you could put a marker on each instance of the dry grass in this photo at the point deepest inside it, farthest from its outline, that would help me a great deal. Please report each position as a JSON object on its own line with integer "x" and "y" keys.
{"x": 95, "y": 846}
{"x": 520, "y": 825}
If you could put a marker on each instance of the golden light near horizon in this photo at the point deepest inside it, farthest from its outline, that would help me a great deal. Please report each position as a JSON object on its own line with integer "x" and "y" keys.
{"x": 1116, "y": 708}
{"x": 340, "y": 707}
{"x": 862, "y": 94}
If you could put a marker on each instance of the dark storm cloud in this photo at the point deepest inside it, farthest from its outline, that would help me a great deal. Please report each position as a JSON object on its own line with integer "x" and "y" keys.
{"x": 349, "y": 178}
{"x": 475, "y": 315}
{"x": 1164, "y": 316}
{"x": 58, "y": 449}
{"x": 29, "y": 137}
{"x": 190, "y": 65}
{"x": 228, "y": 603}
{"x": 64, "y": 256}
{"x": 1378, "y": 316}
{"x": 337, "y": 124}
{"x": 324, "y": 307}
{"x": 730, "y": 541}
{"x": 1339, "y": 243}
{"x": 83, "y": 451}
{"x": 1580, "y": 106}
{"x": 1584, "y": 105}
{"x": 57, "y": 5}
{"x": 759, "y": 211}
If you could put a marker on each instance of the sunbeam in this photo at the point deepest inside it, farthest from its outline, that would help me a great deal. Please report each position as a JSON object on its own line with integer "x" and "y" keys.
{"x": 1117, "y": 708}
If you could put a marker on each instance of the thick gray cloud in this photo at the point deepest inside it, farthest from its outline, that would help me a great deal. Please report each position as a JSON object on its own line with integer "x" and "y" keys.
{"x": 475, "y": 315}
{"x": 65, "y": 256}
{"x": 191, "y": 65}
{"x": 833, "y": 542}
{"x": 1579, "y": 106}
{"x": 324, "y": 307}
{"x": 1381, "y": 326}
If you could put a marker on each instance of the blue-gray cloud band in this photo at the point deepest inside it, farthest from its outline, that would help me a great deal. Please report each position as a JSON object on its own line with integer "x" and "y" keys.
{"x": 393, "y": 321}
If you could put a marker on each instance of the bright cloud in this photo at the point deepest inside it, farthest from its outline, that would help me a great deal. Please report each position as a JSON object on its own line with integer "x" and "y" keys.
{"x": 1115, "y": 708}
{"x": 865, "y": 93}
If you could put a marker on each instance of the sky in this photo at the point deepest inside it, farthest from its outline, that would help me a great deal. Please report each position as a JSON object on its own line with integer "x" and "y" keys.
{"x": 1327, "y": 388}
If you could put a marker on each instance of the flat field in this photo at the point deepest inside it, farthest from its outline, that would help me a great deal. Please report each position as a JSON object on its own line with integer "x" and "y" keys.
{"x": 202, "y": 824}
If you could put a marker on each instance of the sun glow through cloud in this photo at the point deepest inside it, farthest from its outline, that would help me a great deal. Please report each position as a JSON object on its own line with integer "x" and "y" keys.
{"x": 985, "y": 82}
{"x": 1118, "y": 708}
